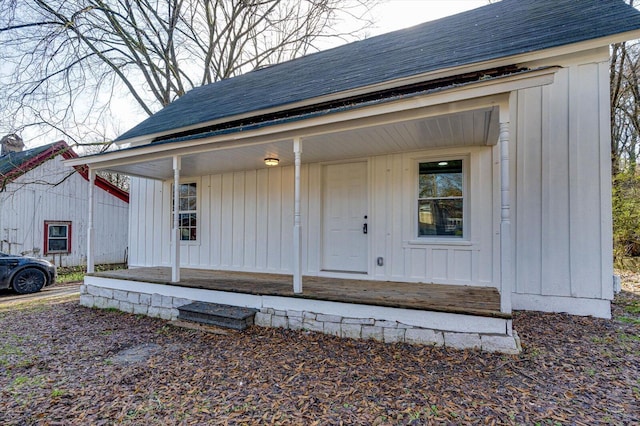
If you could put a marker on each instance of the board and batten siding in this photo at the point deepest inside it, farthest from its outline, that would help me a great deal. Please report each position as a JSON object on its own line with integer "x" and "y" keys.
{"x": 561, "y": 206}
{"x": 246, "y": 221}
{"x": 54, "y": 192}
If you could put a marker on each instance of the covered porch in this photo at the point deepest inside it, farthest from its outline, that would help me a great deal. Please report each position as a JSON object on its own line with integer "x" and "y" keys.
{"x": 460, "y": 317}
{"x": 481, "y": 301}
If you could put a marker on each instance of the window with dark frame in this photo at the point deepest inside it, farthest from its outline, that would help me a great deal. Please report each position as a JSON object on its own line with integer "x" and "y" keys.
{"x": 57, "y": 237}
{"x": 441, "y": 199}
{"x": 187, "y": 211}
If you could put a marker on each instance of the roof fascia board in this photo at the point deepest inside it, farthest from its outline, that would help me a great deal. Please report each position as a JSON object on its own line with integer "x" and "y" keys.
{"x": 457, "y": 99}
{"x": 475, "y": 67}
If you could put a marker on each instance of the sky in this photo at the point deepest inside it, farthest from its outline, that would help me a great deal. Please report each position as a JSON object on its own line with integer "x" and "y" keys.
{"x": 396, "y": 14}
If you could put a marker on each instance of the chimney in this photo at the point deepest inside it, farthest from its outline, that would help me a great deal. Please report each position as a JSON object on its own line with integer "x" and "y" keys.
{"x": 11, "y": 143}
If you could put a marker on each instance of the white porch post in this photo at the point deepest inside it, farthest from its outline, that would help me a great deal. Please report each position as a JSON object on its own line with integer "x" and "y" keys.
{"x": 506, "y": 285}
{"x": 297, "y": 234}
{"x": 90, "y": 233}
{"x": 175, "y": 241}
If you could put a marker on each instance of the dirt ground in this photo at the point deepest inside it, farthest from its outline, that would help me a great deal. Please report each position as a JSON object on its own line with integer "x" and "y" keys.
{"x": 63, "y": 364}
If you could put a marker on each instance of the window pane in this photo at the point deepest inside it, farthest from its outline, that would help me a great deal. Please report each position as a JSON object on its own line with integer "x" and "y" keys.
{"x": 440, "y": 179}
{"x": 191, "y": 203}
{"x": 58, "y": 245}
{"x": 187, "y": 205}
{"x": 184, "y": 219}
{"x": 57, "y": 231}
{"x": 440, "y": 217}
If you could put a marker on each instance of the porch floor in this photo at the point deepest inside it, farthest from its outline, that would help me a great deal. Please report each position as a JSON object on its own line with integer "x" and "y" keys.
{"x": 482, "y": 301}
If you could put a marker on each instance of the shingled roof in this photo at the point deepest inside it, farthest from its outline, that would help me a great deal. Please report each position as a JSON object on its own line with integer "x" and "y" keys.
{"x": 14, "y": 161}
{"x": 503, "y": 29}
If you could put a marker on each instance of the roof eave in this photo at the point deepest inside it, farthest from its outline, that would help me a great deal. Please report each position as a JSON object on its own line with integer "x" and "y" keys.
{"x": 391, "y": 84}
{"x": 453, "y": 94}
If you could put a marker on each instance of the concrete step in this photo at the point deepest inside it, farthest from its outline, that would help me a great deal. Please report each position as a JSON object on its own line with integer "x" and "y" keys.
{"x": 226, "y": 316}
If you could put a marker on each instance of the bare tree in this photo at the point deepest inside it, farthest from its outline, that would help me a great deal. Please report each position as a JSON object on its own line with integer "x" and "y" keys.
{"x": 625, "y": 105}
{"x": 66, "y": 62}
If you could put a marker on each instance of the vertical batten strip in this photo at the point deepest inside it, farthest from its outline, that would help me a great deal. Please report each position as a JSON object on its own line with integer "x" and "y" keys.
{"x": 175, "y": 264}
{"x": 90, "y": 231}
{"x": 297, "y": 231}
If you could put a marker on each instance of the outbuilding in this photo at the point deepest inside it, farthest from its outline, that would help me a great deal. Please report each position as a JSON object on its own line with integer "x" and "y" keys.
{"x": 44, "y": 207}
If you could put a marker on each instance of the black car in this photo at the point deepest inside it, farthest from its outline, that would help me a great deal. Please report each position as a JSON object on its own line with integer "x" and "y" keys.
{"x": 25, "y": 274}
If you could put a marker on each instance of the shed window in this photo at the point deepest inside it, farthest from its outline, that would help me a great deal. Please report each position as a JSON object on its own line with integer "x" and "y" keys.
{"x": 187, "y": 211}
{"x": 57, "y": 237}
{"x": 441, "y": 199}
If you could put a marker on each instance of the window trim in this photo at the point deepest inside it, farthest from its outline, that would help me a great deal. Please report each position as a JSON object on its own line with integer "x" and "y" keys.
{"x": 47, "y": 225}
{"x": 466, "y": 201}
{"x": 196, "y": 211}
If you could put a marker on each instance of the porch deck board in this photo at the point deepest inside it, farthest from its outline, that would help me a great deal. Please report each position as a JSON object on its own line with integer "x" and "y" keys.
{"x": 483, "y": 301}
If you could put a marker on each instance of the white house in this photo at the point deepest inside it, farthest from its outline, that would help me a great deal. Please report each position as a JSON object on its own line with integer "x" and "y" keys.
{"x": 418, "y": 185}
{"x": 44, "y": 208}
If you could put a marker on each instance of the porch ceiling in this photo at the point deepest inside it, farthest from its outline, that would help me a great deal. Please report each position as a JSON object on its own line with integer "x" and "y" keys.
{"x": 466, "y": 128}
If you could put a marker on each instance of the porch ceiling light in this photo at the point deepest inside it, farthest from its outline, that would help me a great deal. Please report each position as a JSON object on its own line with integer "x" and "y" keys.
{"x": 270, "y": 161}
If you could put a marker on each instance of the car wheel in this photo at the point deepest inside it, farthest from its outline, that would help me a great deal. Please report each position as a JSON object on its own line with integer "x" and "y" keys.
{"x": 28, "y": 280}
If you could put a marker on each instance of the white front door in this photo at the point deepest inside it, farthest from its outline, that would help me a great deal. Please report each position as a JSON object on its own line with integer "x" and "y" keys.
{"x": 344, "y": 218}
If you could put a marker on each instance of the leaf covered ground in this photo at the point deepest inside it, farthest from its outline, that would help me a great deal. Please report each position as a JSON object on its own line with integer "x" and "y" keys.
{"x": 61, "y": 363}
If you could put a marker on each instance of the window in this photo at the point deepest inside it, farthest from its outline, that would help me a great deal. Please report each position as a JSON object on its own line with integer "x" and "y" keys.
{"x": 57, "y": 237}
{"x": 440, "y": 199}
{"x": 187, "y": 211}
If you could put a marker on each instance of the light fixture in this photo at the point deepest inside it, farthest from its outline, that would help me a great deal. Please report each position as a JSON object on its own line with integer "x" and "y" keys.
{"x": 443, "y": 163}
{"x": 270, "y": 161}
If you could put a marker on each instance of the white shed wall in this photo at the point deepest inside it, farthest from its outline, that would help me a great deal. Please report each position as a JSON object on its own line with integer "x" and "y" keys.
{"x": 48, "y": 193}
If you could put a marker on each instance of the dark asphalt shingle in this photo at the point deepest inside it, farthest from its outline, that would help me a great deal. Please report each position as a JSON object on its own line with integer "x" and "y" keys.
{"x": 14, "y": 160}
{"x": 502, "y": 29}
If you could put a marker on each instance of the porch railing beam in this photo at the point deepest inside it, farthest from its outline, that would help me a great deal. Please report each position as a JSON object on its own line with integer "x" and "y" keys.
{"x": 297, "y": 226}
{"x": 175, "y": 243}
{"x": 506, "y": 285}
{"x": 90, "y": 232}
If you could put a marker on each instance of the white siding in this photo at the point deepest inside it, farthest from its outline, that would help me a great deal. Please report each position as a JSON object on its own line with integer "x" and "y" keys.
{"x": 54, "y": 192}
{"x": 246, "y": 222}
{"x": 562, "y": 219}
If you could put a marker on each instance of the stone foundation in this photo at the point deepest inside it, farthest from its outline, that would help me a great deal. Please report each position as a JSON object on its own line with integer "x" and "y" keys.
{"x": 384, "y": 331}
{"x": 166, "y": 307}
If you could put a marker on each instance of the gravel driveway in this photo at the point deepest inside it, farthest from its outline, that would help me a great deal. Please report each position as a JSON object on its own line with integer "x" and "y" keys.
{"x": 7, "y": 297}
{"x": 61, "y": 363}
